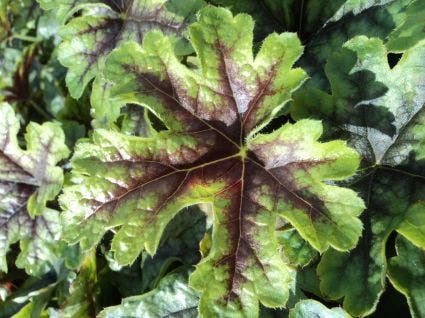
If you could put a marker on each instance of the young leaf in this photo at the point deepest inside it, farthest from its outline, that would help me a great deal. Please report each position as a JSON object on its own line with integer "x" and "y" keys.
{"x": 312, "y": 308}
{"x": 392, "y": 179}
{"x": 410, "y": 27}
{"x": 89, "y": 39}
{"x": 28, "y": 179}
{"x": 172, "y": 298}
{"x": 407, "y": 273}
{"x": 209, "y": 154}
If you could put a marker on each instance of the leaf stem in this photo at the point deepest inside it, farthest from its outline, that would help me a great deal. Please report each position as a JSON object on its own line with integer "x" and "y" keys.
{"x": 26, "y": 38}
{"x": 40, "y": 110}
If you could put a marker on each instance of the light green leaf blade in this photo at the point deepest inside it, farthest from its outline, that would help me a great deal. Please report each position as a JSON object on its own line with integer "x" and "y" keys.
{"x": 312, "y": 308}
{"x": 410, "y": 27}
{"x": 406, "y": 272}
{"x": 296, "y": 250}
{"x": 172, "y": 298}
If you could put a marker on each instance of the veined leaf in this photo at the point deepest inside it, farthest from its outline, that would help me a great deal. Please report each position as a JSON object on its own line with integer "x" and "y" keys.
{"x": 407, "y": 273}
{"x": 88, "y": 40}
{"x": 392, "y": 179}
{"x": 28, "y": 179}
{"x": 307, "y": 18}
{"x": 377, "y": 19}
{"x": 212, "y": 153}
{"x": 172, "y": 298}
{"x": 312, "y": 308}
{"x": 353, "y": 99}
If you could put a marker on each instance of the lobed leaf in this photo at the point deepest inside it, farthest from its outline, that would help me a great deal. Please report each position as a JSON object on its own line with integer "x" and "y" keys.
{"x": 212, "y": 153}
{"x": 105, "y": 25}
{"x": 406, "y": 272}
{"x": 28, "y": 180}
{"x": 392, "y": 177}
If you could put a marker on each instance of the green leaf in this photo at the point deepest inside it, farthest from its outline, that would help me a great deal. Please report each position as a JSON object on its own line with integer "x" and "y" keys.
{"x": 179, "y": 243}
{"x": 312, "y": 308}
{"x": 81, "y": 302}
{"x": 28, "y": 179}
{"x": 172, "y": 298}
{"x": 352, "y": 101}
{"x": 307, "y": 18}
{"x": 392, "y": 177}
{"x": 88, "y": 40}
{"x": 296, "y": 250}
{"x": 407, "y": 273}
{"x": 410, "y": 27}
{"x": 369, "y": 18}
{"x": 211, "y": 154}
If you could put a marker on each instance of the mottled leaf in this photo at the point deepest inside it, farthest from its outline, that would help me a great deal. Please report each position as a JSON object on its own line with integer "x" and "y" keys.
{"x": 352, "y": 100}
{"x": 295, "y": 249}
{"x": 407, "y": 273}
{"x": 172, "y": 298}
{"x": 312, "y": 308}
{"x": 378, "y": 20}
{"x": 88, "y": 39}
{"x": 391, "y": 181}
{"x": 28, "y": 179}
{"x": 410, "y": 27}
{"x": 212, "y": 154}
{"x": 307, "y": 18}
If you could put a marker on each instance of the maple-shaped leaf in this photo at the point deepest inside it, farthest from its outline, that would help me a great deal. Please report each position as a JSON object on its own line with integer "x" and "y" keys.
{"x": 307, "y": 18}
{"x": 324, "y": 26}
{"x": 28, "y": 179}
{"x": 212, "y": 153}
{"x": 406, "y": 272}
{"x": 372, "y": 18}
{"x": 392, "y": 177}
{"x": 103, "y": 26}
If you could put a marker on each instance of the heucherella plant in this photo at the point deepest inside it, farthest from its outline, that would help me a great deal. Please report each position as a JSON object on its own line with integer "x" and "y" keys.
{"x": 104, "y": 25}
{"x": 28, "y": 179}
{"x": 392, "y": 179}
{"x": 212, "y": 158}
{"x": 213, "y": 152}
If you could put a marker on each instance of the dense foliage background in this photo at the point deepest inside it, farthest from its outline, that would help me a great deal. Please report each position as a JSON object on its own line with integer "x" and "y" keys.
{"x": 91, "y": 90}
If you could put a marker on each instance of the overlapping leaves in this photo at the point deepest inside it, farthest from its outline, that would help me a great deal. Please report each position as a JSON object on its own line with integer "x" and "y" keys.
{"x": 212, "y": 153}
{"x": 28, "y": 179}
{"x": 104, "y": 25}
{"x": 392, "y": 178}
